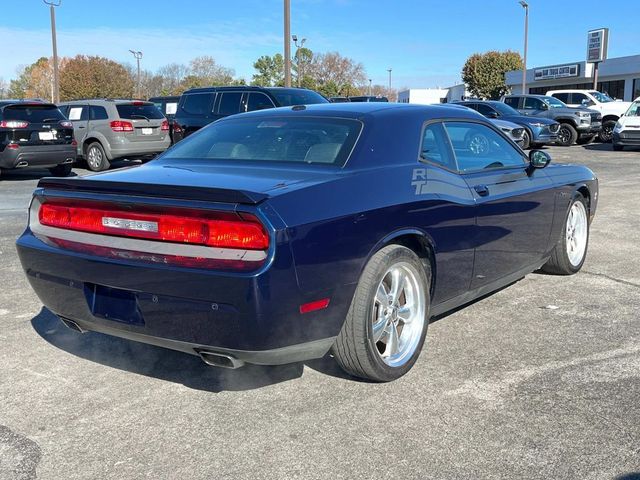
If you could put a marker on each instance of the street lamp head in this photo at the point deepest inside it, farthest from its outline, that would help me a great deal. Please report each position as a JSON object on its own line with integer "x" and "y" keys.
{"x": 294, "y": 38}
{"x": 53, "y": 3}
{"x": 524, "y": 4}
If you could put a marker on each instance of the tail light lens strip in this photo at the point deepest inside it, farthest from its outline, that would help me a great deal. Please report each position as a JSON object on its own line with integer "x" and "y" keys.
{"x": 216, "y": 229}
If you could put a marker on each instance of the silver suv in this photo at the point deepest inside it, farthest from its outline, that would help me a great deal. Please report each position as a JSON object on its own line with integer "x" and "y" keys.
{"x": 110, "y": 129}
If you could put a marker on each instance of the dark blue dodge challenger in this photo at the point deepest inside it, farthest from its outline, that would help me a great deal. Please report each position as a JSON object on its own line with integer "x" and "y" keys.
{"x": 279, "y": 235}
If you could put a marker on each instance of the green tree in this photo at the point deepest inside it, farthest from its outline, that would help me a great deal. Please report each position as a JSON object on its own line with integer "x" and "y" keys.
{"x": 484, "y": 72}
{"x": 270, "y": 71}
{"x": 94, "y": 77}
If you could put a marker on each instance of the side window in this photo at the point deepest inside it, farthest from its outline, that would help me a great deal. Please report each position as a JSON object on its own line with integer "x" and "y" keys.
{"x": 485, "y": 109}
{"x": 577, "y": 98}
{"x": 512, "y": 102}
{"x": 97, "y": 113}
{"x": 78, "y": 112}
{"x": 229, "y": 103}
{"x": 563, "y": 97}
{"x": 531, "y": 103}
{"x": 435, "y": 147}
{"x": 258, "y": 101}
{"x": 197, "y": 104}
{"x": 65, "y": 110}
{"x": 479, "y": 147}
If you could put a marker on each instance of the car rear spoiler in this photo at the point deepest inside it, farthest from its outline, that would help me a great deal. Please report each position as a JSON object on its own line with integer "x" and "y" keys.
{"x": 207, "y": 194}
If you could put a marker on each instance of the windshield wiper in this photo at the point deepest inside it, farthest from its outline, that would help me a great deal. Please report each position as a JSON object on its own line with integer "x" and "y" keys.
{"x": 137, "y": 115}
{"x": 49, "y": 120}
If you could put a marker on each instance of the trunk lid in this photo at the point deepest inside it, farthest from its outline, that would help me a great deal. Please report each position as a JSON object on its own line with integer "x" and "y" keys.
{"x": 146, "y": 119}
{"x": 198, "y": 180}
{"x": 36, "y": 124}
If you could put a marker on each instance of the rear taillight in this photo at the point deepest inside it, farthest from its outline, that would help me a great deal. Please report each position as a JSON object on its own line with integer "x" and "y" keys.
{"x": 66, "y": 124}
{"x": 13, "y": 124}
{"x": 13, "y": 146}
{"x": 165, "y": 126}
{"x": 213, "y": 229}
{"x": 176, "y": 127}
{"x": 74, "y": 143}
{"x": 121, "y": 126}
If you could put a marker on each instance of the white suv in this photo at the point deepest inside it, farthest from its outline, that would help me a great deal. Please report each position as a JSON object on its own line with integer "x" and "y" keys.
{"x": 627, "y": 129}
{"x": 610, "y": 109}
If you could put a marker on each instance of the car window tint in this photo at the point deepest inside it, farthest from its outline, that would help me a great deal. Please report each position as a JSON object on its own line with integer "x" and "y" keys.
{"x": 531, "y": 103}
{"x": 64, "y": 109}
{"x": 97, "y": 113}
{"x": 484, "y": 109}
{"x": 577, "y": 98}
{"x": 197, "y": 104}
{"x": 327, "y": 141}
{"x": 258, "y": 101}
{"x": 512, "y": 101}
{"x": 33, "y": 113}
{"x": 132, "y": 111}
{"x": 435, "y": 147}
{"x": 479, "y": 147}
{"x": 229, "y": 103}
{"x": 563, "y": 97}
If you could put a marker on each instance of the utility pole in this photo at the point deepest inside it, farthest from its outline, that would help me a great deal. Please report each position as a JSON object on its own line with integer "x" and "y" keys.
{"x": 369, "y": 87}
{"x": 56, "y": 82}
{"x": 525, "y": 5}
{"x": 287, "y": 43}
{"x": 138, "y": 56}
{"x": 298, "y": 47}
{"x": 389, "y": 70}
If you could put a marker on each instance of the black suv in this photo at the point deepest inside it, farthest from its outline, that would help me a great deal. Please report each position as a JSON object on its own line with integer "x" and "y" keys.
{"x": 200, "y": 106}
{"x": 35, "y": 134}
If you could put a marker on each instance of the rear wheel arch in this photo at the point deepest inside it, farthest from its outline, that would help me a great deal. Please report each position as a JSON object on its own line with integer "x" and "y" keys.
{"x": 610, "y": 117}
{"x": 417, "y": 241}
{"x": 586, "y": 193}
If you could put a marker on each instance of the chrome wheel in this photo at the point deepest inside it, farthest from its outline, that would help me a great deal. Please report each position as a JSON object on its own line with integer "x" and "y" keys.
{"x": 94, "y": 158}
{"x": 398, "y": 316}
{"x": 576, "y": 233}
{"x": 478, "y": 144}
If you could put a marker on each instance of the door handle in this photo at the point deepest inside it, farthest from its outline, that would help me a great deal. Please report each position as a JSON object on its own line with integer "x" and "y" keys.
{"x": 81, "y": 126}
{"x": 482, "y": 190}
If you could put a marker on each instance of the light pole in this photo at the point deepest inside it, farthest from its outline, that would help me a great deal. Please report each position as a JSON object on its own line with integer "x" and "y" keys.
{"x": 287, "y": 43}
{"x": 138, "y": 56}
{"x": 56, "y": 86}
{"x": 369, "y": 87}
{"x": 389, "y": 70}
{"x": 525, "y": 5}
{"x": 298, "y": 47}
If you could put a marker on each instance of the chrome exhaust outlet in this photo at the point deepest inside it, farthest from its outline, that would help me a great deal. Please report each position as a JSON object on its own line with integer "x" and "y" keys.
{"x": 22, "y": 164}
{"x": 217, "y": 359}
{"x": 72, "y": 325}
{"x": 68, "y": 160}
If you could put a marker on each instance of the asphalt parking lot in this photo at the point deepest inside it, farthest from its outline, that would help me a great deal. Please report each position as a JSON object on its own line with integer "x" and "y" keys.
{"x": 539, "y": 380}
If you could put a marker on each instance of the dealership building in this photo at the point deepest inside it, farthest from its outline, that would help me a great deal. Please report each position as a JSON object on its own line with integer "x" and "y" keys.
{"x": 619, "y": 77}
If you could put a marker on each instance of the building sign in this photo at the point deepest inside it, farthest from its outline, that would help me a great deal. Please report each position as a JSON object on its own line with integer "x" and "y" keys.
{"x": 561, "y": 71}
{"x": 597, "y": 43}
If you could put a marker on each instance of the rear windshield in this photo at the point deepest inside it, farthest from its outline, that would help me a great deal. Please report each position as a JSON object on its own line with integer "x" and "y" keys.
{"x": 132, "y": 112}
{"x": 306, "y": 140}
{"x": 286, "y": 97}
{"x": 33, "y": 113}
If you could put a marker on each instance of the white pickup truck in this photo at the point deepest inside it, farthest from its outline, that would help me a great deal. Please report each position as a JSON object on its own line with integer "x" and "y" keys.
{"x": 610, "y": 109}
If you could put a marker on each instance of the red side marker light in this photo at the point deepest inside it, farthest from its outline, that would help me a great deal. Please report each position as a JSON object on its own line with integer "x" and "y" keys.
{"x": 315, "y": 305}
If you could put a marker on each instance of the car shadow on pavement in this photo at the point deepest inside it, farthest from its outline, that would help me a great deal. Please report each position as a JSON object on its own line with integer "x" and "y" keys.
{"x": 160, "y": 363}
{"x": 600, "y": 147}
{"x": 28, "y": 174}
{"x": 628, "y": 476}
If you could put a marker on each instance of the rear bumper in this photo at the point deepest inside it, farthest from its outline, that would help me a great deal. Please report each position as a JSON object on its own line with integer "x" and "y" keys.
{"x": 37, "y": 156}
{"x": 253, "y": 317}
{"x": 129, "y": 149}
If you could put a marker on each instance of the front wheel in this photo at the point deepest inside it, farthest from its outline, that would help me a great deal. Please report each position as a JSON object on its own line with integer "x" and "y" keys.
{"x": 567, "y": 135}
{"x": 526, "y": 140}
{"x": 387, "y": 322}
{"x": 570, "y": 252}
{"x": 606, "y": 132}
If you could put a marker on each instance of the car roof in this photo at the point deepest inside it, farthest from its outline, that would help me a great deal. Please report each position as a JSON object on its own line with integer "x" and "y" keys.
{"x": 360, "y": 110}
{"x": 101, "y": 101}
{"x": 242, "y": 87}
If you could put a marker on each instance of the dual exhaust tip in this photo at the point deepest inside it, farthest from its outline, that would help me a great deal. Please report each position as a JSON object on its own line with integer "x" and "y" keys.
{"x": 23, "y": 163}
{"x": 215, "y": 359}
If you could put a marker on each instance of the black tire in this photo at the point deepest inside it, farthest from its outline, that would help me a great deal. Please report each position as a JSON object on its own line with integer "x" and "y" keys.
{"x": 617, "y": 148}
{"x": 62, "y": 170}
{"x": 100, "y": 161}
{"x": 526, "y": 140}
{"x": 354, "y": 349}
{"x": 567, "y": 135}
{"x": 586, "y": 140}
{"x": 559, "y": 263}
{"x": 606, "y": 132}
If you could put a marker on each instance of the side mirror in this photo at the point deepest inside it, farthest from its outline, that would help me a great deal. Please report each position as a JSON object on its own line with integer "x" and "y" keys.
{"x": 491, "y": 115}
{"x": 539, "y": 159}
{"x": 545, "y": 106}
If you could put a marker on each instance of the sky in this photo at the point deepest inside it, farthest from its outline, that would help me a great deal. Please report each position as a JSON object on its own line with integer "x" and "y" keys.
{"x": 424, "y": 42}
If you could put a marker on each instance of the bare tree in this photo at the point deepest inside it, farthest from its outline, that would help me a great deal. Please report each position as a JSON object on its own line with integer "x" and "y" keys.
{"x": 4, "y": 87}
{"x": 333, "y": 67}
{"x": 172, "y": 77}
